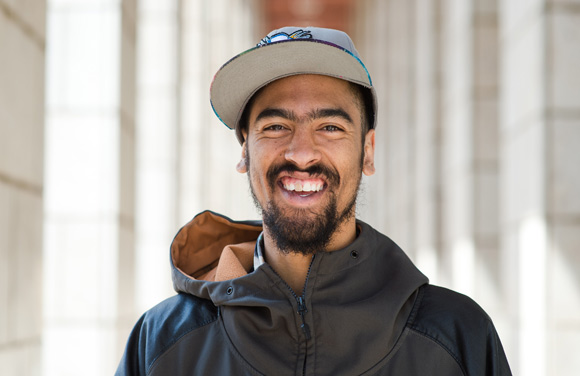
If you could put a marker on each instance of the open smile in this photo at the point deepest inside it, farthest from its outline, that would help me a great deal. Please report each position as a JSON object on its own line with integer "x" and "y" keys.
{"x": 309, "y": 187}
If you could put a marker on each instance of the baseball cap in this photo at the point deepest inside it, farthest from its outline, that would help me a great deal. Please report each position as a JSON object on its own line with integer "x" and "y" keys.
{"x": 285, "y": 52}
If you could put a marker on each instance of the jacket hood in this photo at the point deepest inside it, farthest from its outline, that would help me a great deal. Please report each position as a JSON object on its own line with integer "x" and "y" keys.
{"x": 212, "y": 248}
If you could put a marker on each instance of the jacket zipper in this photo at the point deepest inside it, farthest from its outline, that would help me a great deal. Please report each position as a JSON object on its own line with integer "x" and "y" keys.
{"x": 302, "y": 310}
{"x": 305, "y": 328}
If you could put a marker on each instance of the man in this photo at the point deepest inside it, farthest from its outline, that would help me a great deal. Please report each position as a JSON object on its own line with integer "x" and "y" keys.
{"x": 312, "y": 290}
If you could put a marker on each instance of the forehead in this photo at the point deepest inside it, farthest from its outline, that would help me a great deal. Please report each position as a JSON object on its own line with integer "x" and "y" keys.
{"x": 305, "y": 92}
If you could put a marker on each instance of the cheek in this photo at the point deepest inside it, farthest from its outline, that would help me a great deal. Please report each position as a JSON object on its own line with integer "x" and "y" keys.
{"x": 264, "y": 155}
{"x": 257, "y": 170}
{"x": 351, "y": 169}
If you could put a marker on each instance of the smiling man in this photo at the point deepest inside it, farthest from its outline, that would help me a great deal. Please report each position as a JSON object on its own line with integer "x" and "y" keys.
{"x": 306, "y": 143}
{"x": 310, "y": 290}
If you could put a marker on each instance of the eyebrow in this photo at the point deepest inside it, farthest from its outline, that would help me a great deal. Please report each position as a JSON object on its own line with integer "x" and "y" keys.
{"x": 313, "y": 115}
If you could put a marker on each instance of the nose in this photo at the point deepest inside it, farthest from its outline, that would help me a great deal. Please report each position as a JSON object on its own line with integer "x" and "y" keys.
{"x": 303, "y": 150}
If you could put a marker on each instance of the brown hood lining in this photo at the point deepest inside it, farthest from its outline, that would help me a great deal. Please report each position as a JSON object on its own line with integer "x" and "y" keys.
{"x": 197, "y": 248}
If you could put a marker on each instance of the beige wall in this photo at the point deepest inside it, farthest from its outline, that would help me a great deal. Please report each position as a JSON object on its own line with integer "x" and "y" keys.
{"x": 89, "y": 268}
{"x": 477, "y": 168}
{"x": 22, "y": 56}
{"x": 540, "y": 221}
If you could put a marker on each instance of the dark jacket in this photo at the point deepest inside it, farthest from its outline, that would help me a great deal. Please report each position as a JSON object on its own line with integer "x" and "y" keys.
{"x": 366, "y": 309}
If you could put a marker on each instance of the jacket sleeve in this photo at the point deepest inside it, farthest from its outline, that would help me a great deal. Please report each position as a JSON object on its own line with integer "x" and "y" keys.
{"x": 133, "y": 360}
{"x": 160, "y": 328}
{"x": 456, "y": 323}
{"x": 496, "y": 360}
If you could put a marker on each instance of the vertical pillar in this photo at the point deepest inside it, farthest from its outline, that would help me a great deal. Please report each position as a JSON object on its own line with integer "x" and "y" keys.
{"x": 22, "y": 56}
{"x": 89, "y": 260}
{"x": 427, "y": 100}
{"x": 470, "y": 256}
{"x": 540, "y": 132}
{"x": 398, "y": 113}
{"x": 458, "y": 248}
{"x": 157, "y": 148}
{"x": 563, "y": 186}
{"x": 127, "y": 267}
{"x": 213, "y": 32}
{"x": 488, "y": 284}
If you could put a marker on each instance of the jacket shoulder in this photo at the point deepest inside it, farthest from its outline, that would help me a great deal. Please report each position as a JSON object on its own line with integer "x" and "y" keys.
{"x": 436, "y": 307}
{"x": 459, "y": 325}
{"x": 162, "y": 327}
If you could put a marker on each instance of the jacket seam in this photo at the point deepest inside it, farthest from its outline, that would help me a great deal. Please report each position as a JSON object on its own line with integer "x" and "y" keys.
{"x": 389, "y": 356}
{"x": 496, "y": 346}
{"x": 234, "y": 349}
{"x": 439, "y": 343}
{"x": 416, "y": 306}
{"x": 412, "y": 326}
{"x": 166, "y": 349}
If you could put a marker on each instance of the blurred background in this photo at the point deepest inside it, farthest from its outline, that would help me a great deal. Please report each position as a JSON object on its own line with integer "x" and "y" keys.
{"x": 108, "y": 145}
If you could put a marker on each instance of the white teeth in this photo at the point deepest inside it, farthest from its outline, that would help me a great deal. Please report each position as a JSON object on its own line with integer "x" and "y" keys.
{"x": 303, "y": 187}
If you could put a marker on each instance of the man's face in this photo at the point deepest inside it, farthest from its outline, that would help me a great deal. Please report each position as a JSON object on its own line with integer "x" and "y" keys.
{"x": 304, "y": 155}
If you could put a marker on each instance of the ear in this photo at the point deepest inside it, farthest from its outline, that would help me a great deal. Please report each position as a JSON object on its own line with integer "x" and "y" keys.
{"x": 241, "y": 167}
{"x": 369, "y": 153}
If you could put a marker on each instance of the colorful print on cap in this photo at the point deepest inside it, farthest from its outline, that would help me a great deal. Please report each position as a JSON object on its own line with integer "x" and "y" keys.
{"x": 282, "y": 36}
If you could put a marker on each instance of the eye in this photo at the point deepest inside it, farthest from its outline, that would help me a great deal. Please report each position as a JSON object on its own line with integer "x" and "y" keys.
{"x": 331, "y": 128}
{"x": 274, "y": 127}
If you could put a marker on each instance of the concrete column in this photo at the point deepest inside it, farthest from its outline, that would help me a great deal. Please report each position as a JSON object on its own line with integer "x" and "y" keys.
{"x": 540, "y": 216}
{"x": 488, "y": 283}
{"x": 427, "y": 112}
{"x": 89, "y": 216}
{"x": 157, "y": 148}
{"x": 22, "y": 56}
{"x": 469, "y": 259}
{"x": 126, "y": 250}
{"x": 213, "y": 32}
{"x": 399, "y": 135}
{"x": 457, "y": 245}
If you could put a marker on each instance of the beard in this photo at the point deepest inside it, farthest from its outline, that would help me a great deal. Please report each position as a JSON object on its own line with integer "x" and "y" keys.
{"x": 303, "y": 231}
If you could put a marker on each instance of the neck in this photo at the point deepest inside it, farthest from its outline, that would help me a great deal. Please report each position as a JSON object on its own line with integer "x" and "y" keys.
{"x": 293, "y": 267}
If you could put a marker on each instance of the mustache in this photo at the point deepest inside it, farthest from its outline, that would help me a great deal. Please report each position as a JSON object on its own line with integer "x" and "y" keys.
{"x": 330, "y": 174}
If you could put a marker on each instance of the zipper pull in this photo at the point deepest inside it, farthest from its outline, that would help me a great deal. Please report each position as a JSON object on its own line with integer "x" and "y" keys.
{"x": 302, "y": 306}
{"x": 302, "y": 311}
